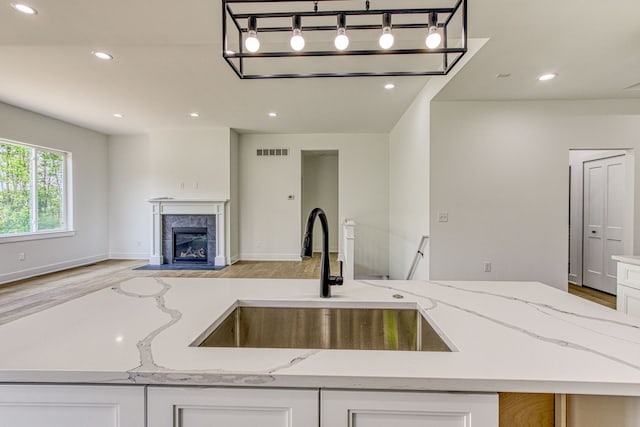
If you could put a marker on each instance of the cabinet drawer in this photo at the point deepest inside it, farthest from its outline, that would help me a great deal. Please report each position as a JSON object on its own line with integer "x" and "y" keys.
{"x": 628, "y": 300}
{"x": 71, "y": 406}
{"x": 342, "y": 408}
{"x": 237, "y": 407}
{"x": 629, "y": 275}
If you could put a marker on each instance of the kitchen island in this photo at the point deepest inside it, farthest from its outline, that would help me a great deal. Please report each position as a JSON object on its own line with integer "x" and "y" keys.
{"x": 504, "y": 336}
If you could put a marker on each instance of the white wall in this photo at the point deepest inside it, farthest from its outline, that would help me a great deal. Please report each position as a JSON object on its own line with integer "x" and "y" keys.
{"x": 234, "y": 205}
{"x": 187, "y": 164}
{"x": 320, "y": 189}
{"x": 500, "y": 171}
{"x": 89, "y": 156}
{"x": 190, "y": 163}
{"x": 129, "y": 183}
{"x": 409, "y": 148}
{"x": 270, "y": 224}
{"x": 408, "y": 186}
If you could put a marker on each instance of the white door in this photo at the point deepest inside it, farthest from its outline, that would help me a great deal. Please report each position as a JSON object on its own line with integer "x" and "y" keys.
{"x": 604, "y": 191}
{"x": 231, "y": 407}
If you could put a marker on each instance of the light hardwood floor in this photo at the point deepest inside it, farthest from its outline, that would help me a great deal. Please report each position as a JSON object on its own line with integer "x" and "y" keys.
{"x": 21, "y": 298}
{"x": 594, "y": 295}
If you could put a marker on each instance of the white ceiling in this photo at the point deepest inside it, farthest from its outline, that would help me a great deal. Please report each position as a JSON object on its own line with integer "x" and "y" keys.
{"x": 168, "y": 63}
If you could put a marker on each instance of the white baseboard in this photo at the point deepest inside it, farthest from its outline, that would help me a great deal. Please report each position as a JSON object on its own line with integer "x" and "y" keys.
{"x": 51, "y": 268}
{"x": 234, "y": 259}
{"x": 128, "y": 255}
{"x": 270, "y": 257}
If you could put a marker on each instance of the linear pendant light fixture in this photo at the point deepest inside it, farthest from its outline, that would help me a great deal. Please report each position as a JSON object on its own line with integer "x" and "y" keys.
{"x": 342, "y": 38}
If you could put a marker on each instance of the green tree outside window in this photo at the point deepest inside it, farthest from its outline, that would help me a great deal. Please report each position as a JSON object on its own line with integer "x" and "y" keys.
{"x": 31, "y": 189}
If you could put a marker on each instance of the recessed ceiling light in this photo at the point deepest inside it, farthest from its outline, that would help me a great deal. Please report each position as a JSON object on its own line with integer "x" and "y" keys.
{"x": 21, "y": 7}
{"x": 389, "y": 86}
{"x": 273, "y": 114}
{"x": 546, "y": 77}
{"x": 102, "y": 55}
{"x": 503, "y": 75}
{"x": 118, "y": 115}
{"x": 194, "y": 114}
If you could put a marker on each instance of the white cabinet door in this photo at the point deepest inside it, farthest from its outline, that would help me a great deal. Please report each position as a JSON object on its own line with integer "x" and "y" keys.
{"x": 407, "y": 409}
{"x": 228, "y": 407}
{"x": 629, "y": 300}
{"x": 71, "y": 406}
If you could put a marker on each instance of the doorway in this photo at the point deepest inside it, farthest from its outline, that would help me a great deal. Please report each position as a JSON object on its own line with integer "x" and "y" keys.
{"x": 320, "y": 188}
{"x": 600, "y": 215}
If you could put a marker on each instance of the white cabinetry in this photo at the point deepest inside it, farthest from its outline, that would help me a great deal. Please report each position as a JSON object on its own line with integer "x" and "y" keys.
{"x": 407, "y": 409}
{"x": 628, "y": 298}
{"x": 231, "y": 407}
{"x": 71, "y": 406}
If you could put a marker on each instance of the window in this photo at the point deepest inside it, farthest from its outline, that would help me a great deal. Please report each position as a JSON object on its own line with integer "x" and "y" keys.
{"x": 33, "y": 187}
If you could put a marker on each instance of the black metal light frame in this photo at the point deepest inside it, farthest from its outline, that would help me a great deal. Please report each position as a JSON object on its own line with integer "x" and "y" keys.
{"x": 450, "y": 55}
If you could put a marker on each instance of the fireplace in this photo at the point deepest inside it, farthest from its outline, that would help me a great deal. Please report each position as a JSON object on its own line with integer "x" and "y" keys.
{"x": 190, "y": 244}
{"x": 189, "y": 239}
{"x": 169, "y": 214}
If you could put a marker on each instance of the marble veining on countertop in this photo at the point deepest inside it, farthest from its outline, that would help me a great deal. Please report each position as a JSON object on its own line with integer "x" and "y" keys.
{"x": 506, "y": 336}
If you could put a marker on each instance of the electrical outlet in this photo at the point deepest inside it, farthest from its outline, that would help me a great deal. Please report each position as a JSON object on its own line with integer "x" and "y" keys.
{"x": 443, "y": 217}
{"x": 182, "y": 185}
{"x": 486, "y": 267}
{"x": 21, "y": 256}
{"x": 291, "y": 197}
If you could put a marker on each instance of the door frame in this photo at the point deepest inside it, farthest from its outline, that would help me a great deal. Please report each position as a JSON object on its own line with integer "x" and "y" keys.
{"x": 303, "y": 214}
{"x": 576, "y": 210}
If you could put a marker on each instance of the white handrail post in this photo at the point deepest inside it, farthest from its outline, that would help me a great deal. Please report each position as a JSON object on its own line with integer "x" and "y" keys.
{"x": 348, "y": 249}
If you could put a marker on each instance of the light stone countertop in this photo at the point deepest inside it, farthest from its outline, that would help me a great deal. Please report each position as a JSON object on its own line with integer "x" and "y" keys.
{"x": 508, "y": 336}
{"x": 629, "y": 259}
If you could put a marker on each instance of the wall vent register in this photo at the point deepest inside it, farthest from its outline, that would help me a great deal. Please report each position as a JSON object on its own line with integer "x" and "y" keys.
{"x": 272, "y": 152}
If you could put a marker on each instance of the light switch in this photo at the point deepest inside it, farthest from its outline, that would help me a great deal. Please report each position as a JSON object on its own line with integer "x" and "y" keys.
{"x": 443, "y": 217}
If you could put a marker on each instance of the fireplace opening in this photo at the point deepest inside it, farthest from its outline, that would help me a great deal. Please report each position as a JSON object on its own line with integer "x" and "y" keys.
{"x": 190, "y": 244}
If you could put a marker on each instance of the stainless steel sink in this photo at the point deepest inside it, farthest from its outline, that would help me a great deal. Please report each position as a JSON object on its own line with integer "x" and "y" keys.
{"x": 325, "y": 328}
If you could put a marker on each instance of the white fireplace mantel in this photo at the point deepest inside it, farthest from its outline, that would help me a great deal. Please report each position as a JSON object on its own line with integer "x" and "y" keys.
{"x": 169, "y": 206}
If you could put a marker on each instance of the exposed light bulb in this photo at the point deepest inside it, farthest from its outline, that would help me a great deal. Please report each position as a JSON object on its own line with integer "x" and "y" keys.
{"x": 252, "y": 43}
{"x": 386, "y": 39}
{"x": 434, "y": 38}
{"x": 297, "y": 41}
{"x": 342, "y": 41}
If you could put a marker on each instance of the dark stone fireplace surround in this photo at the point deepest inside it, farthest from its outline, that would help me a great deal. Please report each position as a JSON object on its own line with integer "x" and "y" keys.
{"x": 191, "y": 221}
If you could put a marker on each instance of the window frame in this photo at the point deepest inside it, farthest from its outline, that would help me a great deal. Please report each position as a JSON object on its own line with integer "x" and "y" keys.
{"x": 66, "y": 207}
